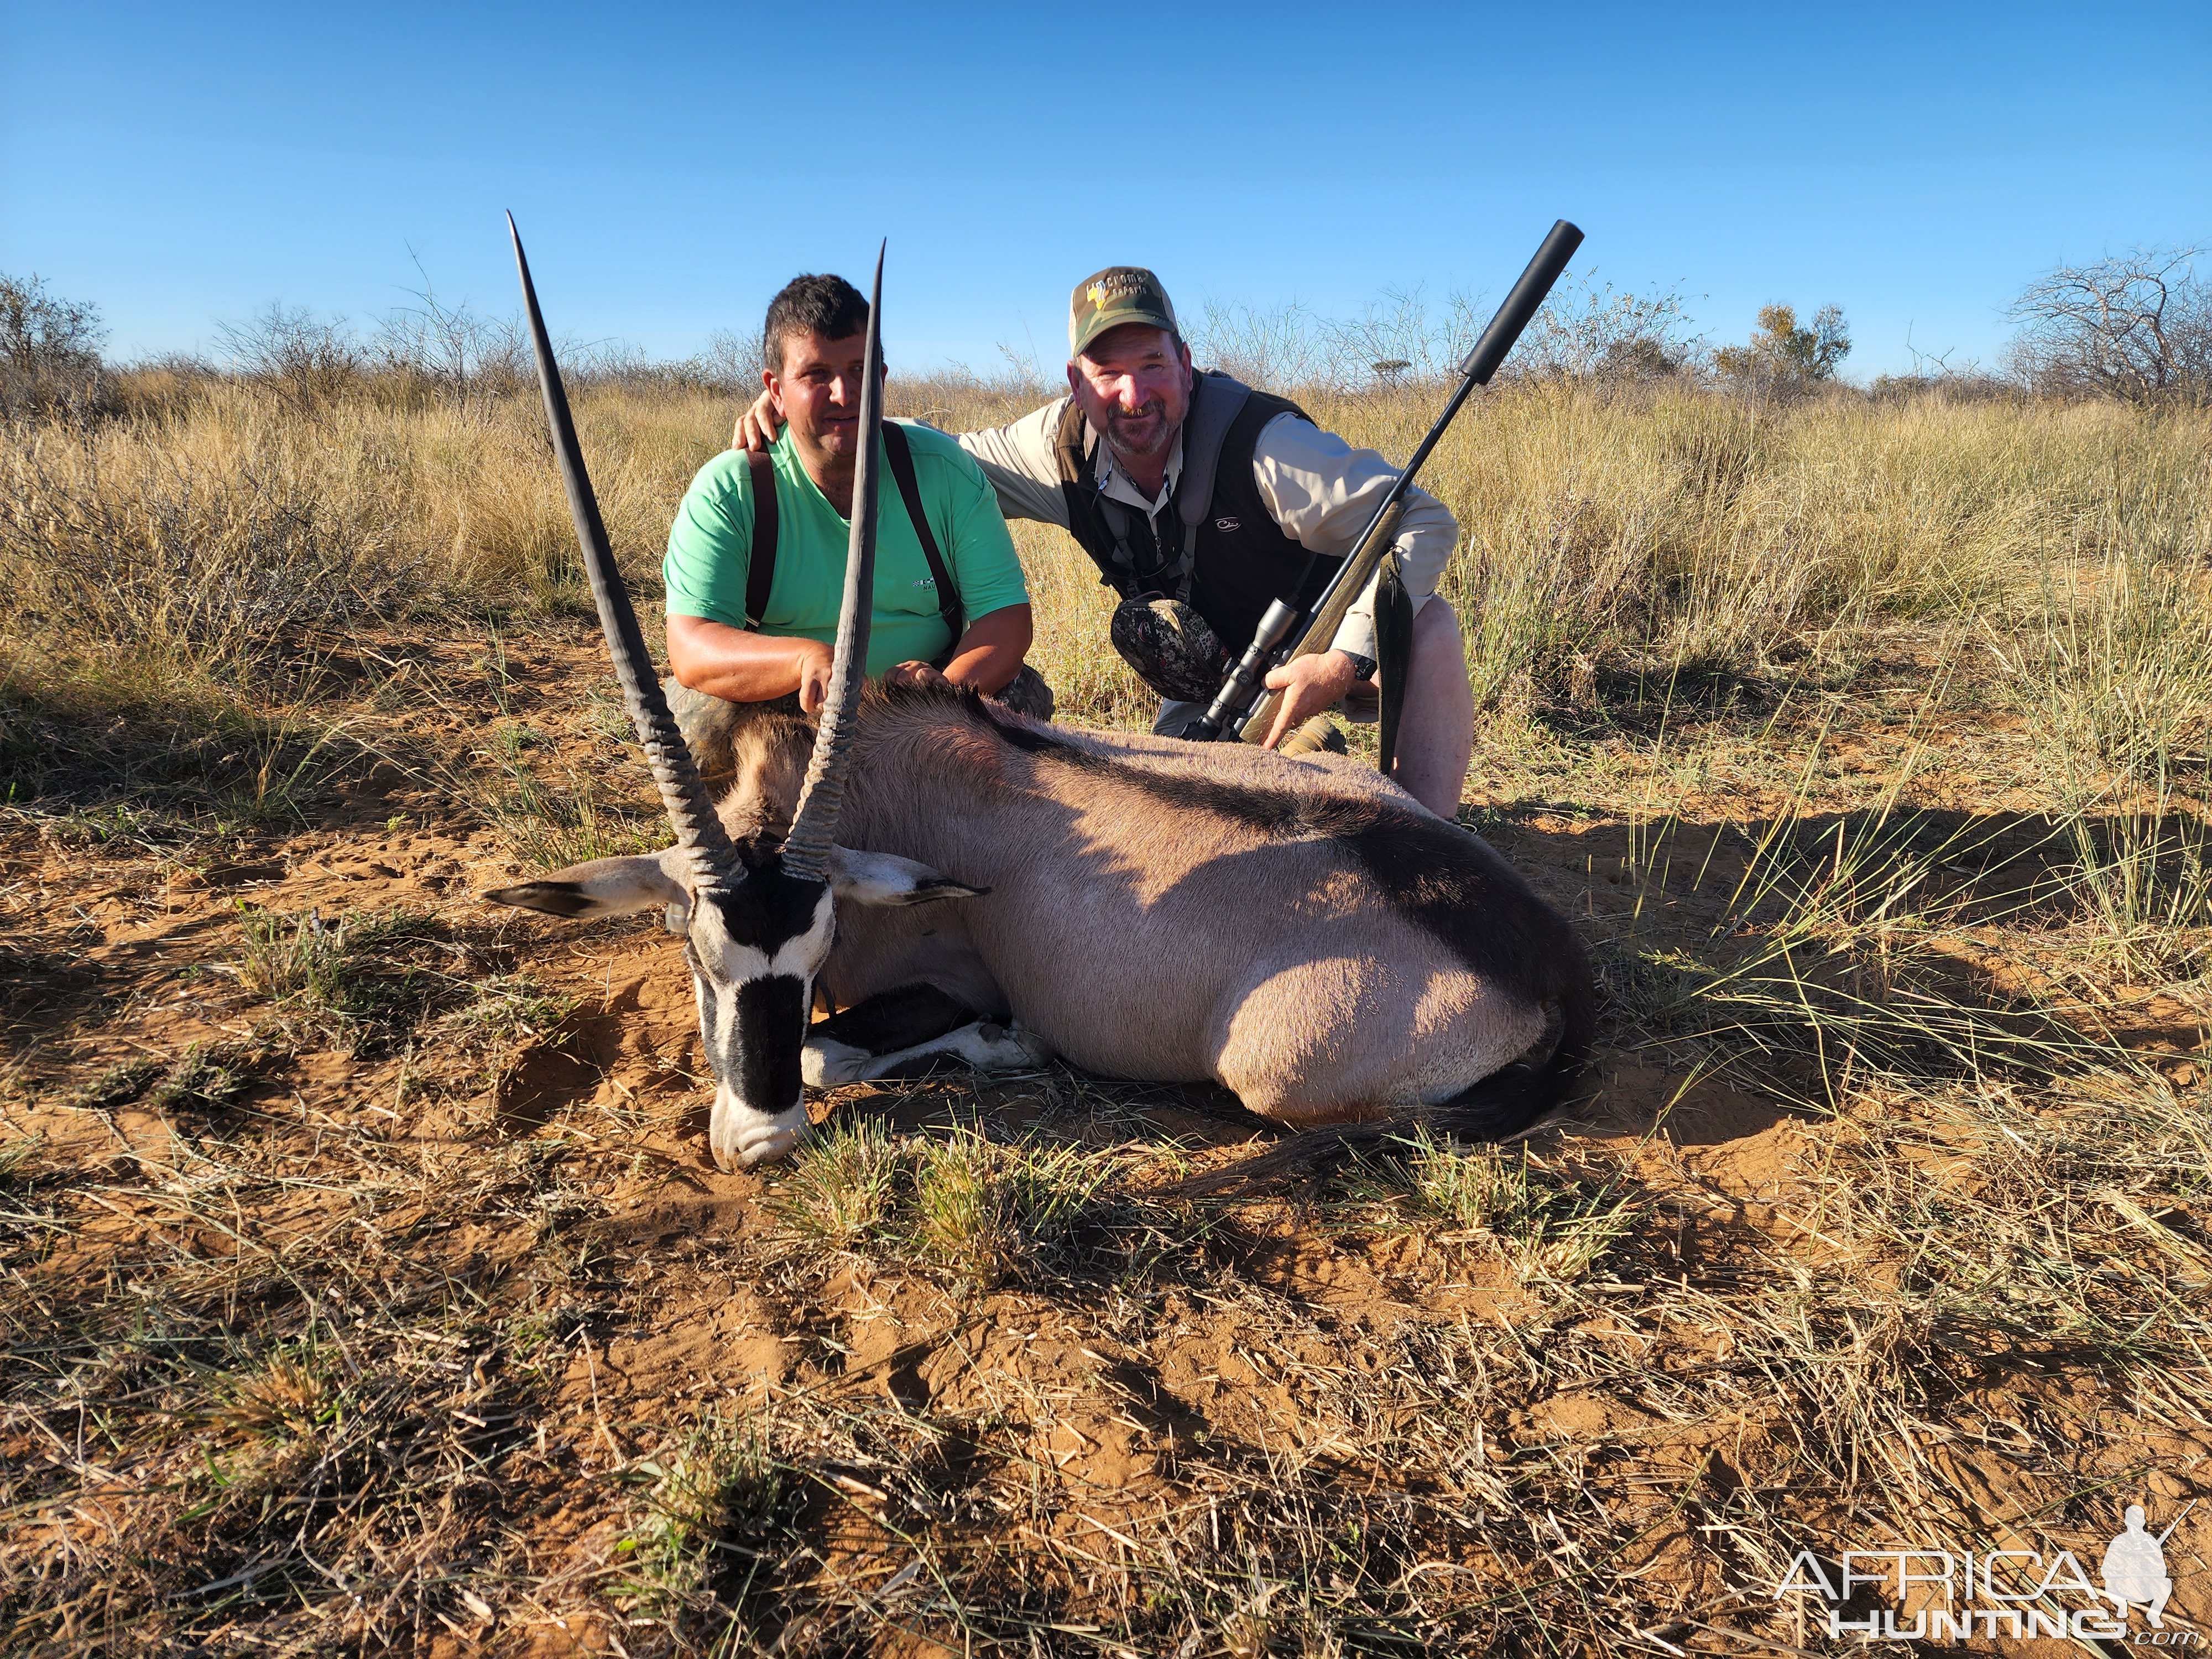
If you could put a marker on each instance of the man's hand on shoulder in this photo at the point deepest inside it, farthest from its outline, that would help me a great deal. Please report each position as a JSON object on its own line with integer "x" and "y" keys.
{"x": 757, "y": 426}
{"x": 1309, "y": 684}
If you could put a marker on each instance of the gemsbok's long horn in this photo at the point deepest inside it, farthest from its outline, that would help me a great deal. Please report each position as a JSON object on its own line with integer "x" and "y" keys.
{"x": 699, "y": 832}
{"x": 806, "y": 848}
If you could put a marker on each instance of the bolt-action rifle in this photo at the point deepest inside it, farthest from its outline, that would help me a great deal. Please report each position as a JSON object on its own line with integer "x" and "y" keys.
{"x": 1232, "y": 712}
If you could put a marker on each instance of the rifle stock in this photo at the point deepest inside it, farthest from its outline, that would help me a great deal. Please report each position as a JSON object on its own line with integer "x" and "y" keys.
{"x": 1351, "y": 580}
{"x": 1330, "y": 610}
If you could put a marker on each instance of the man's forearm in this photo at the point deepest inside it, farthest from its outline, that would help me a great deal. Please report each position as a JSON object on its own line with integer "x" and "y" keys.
{"x": 1356, "y": 633}
{"x": 1323, "y": 493}
{"x": 1019, "y": 463}
{"x": 734, "y": 665}
{"x": 990, "y": 652}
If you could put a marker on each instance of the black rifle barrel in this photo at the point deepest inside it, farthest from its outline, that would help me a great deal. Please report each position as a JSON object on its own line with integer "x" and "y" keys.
{"x": 1231, "y": 709}
{"x": 1505, "y": 329}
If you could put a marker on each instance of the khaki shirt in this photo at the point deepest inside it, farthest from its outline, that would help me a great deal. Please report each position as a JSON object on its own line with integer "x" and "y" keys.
{"x": 1320, "y": 490}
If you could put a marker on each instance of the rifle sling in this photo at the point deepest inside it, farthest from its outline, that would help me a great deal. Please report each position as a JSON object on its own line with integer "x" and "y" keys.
{"x": 1394, "y": 651}
{"x": 760, "y": 567}
{"x": 901, "y": 456}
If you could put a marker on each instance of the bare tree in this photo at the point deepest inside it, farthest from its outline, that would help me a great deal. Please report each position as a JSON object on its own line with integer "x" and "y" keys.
{"x": 2135, "y": 325}
{"x": 466, "y": 356}
{"x": 1591, "y": 330}
{"x": 1281, "y": 348}
{"x": 733, "y": 361}
{"x": 307, "y": 357}
{"x": 1585, "y": 330}
{"x": 50, "y": 359}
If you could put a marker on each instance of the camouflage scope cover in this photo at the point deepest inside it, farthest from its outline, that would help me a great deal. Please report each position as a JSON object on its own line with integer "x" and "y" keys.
{"x": 1171, "y": 647}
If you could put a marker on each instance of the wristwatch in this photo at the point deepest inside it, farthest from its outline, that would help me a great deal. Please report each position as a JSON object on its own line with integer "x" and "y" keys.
{"x": 1362, "y": 668}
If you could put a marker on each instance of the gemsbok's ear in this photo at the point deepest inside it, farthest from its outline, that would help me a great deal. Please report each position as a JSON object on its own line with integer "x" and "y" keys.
{"x": 885, "y": 878}
{"x": 605, "y": 887}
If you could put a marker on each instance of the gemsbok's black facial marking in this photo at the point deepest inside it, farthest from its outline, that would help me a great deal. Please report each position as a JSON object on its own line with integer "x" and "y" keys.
{"x": 771, "y": 1021}
{"x": 769, "y": 910}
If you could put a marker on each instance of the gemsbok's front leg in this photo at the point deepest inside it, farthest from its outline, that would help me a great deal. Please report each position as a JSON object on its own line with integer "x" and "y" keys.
{"x": 904, "y": 1031}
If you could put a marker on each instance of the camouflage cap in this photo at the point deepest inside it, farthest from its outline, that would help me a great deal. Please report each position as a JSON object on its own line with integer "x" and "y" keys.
{"x": 1115, "y": 296}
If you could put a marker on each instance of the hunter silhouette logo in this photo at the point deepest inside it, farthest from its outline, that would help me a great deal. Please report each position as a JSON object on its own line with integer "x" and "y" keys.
{"x": 2023, "y": 1594}
{"x": 2135, "y": 1567}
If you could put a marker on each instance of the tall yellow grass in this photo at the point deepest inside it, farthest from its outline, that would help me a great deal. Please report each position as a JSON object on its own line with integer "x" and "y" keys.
{"x": 1681, "y": 530}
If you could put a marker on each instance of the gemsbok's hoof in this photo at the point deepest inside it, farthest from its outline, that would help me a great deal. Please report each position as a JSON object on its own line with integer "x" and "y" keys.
{"x": 994, "y": 1047}
{"x": 824, "y": 1064}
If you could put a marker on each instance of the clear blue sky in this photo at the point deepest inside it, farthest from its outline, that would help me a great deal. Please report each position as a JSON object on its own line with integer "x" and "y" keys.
{"x": 671, "y": 166}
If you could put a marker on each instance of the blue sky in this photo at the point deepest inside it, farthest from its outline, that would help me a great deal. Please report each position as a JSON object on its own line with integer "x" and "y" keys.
{"x": 671, "y": 166}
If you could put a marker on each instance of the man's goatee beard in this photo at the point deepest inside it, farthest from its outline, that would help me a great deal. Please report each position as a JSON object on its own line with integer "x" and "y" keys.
{"x": 1129, "y": 451}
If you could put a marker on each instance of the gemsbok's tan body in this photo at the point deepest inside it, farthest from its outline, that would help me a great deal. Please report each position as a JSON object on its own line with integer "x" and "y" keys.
{"x": 1298, "y": 930}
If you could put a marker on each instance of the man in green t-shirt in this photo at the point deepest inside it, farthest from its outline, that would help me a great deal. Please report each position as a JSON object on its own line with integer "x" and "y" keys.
{"x": 738, "y": 638}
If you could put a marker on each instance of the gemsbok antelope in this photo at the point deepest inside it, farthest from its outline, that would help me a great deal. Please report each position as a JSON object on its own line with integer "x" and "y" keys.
{"x": 963, "y": 881}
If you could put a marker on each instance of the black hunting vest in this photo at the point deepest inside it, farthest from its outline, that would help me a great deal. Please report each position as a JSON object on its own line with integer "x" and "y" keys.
{"x": 1225, "y": 555}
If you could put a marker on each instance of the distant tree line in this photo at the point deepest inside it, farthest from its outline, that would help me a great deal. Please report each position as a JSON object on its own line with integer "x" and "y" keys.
{"x": 2136, "y": 325}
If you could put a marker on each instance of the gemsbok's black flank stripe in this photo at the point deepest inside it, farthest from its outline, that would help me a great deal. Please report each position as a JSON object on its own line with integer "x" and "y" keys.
{"x": 1451, "y": 884}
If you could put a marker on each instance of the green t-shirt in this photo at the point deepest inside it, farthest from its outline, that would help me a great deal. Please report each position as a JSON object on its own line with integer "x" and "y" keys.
{"x": 710, "y": 546}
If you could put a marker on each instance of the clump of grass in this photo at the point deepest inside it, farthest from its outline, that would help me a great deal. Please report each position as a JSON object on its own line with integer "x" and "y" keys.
{"x": 843, "y": 1190}
{"x": 1836, "y": 957}
{"x": 292, "y": 1396}
{"x": 206, "y": 1078}
{"x": 964, "y": 1203}
{"x": 553, "y": 829}
{"x": 19, "y": 1157}
{"x": 689, "y": 1563}
{"x": 293, "y": 959}
{"x": 2116, "y": 686}
{"x": 344, "y": 966}
{"x": 989, "y": 1211}
{"x": 1547, "y": 1224}
{"x": 119, "y": 1085}
{"x": 366, "y": 978}
{"x": 506, "y": 1007}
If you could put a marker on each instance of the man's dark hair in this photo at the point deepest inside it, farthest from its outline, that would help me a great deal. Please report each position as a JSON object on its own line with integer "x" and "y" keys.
{"x": 828, "y": 306}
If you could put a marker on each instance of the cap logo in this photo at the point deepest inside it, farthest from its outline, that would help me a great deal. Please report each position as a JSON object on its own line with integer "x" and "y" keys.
{"x": 1118, "y": 286}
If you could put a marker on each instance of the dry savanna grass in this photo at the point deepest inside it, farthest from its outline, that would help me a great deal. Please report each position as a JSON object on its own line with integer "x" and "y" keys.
{"x": 368, "y": 1288}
